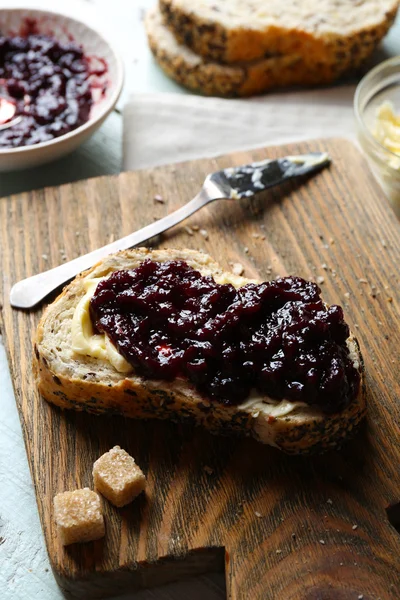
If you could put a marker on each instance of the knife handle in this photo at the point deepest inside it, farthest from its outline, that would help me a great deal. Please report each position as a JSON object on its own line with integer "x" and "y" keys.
{"x": 28, "y": 292}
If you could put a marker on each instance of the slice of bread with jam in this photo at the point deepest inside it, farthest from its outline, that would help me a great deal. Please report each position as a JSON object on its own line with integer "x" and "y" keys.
{"x": 79, "y": 366}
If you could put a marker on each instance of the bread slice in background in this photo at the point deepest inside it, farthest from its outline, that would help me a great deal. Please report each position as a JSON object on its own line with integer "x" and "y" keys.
{"x": 71, "y": 380}
{"x": 247, "y": 78}
{"x": 235, "y": 80}
{"x": 338, "y": 32}
{"x": 210, "y": 78}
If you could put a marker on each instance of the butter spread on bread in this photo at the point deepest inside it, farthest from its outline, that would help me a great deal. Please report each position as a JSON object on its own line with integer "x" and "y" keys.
{"x": 88, "y": 343}
{"x": 73, "y": 380}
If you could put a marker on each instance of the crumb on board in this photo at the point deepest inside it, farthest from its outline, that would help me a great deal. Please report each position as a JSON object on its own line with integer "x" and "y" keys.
{"x": 208, "y": 470}
{"x": 204, "y": 233}
{"x": 329, "y": 501}
{"x": 322, "y": 542}
{"x": 245, "y": 250}
{"x": 320, "y": 279}
{"x": 159, "y": 198}
{"x": 278, "y": 551}
{"x": 45, "y": 257}
{"x": 258, "y": 514}
{"x": 362, "y": 280}
{"x": 195, "y": 227}
{"x": 237, "y": 269}
{"x": 324, "y": 266}
{"x": 354, "y": 527}
{"x": 188, "y": 230}
{"x": 347, "y": 295}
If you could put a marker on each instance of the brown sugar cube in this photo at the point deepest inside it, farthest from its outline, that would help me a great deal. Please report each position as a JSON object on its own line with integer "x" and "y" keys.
{"x": 118, "y": 477}
{"x": 78, "y": 516}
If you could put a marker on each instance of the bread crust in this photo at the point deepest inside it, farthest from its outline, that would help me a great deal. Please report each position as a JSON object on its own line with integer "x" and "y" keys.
{"x": 214, "y": 37}
{"x": 84, "y": 383}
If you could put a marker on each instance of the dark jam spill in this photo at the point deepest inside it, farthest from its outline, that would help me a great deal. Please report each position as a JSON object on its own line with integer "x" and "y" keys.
{"x": 49, "y": 83}
{"x": 277, "y": 338}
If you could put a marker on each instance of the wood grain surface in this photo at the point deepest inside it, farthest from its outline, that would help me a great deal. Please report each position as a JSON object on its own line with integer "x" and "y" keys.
{"x": 284, "y": 527}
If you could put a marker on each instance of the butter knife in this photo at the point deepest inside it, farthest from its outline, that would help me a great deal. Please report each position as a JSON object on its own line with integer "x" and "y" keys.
{"x": 232, "y": 183}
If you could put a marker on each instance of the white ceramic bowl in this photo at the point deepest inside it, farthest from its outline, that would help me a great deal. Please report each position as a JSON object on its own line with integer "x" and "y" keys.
{"x": 94, "y": 44}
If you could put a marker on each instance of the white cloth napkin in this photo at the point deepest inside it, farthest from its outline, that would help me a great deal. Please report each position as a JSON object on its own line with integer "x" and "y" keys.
{"x": 166, "y": 128}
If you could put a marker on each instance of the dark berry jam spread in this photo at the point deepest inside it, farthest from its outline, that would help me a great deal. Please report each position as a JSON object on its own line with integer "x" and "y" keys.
{"x": 49, "y": 82}
{"x": 277, "y": 338}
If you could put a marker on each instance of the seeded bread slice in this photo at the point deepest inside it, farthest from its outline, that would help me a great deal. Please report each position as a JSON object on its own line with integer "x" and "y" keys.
{"x": 71, "y": 380}
{"x": 238, "y": 80}
{"x": 211, "y": 78}
{"x": 342, "y": 32}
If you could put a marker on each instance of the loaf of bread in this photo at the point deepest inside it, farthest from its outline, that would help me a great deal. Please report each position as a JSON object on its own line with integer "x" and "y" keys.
{"x": 337, "y": 32}
{"x": 235, "y": 80}
{"x": 73, "y": 379}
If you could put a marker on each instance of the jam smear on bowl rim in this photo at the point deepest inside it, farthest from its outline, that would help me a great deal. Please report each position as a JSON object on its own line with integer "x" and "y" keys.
{"x": 275, "y": 339}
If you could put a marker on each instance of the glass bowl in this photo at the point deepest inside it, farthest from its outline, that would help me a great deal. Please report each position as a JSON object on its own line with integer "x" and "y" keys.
{"x": 380, "y": 85}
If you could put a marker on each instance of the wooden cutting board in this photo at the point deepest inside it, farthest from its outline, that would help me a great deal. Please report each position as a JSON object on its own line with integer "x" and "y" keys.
{"x": 284, "y": 527}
